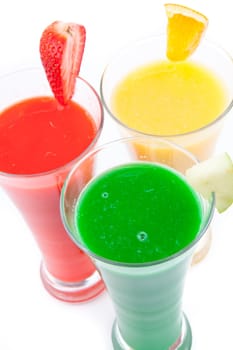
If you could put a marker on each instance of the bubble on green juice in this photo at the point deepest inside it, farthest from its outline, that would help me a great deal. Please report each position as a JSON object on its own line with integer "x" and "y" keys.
{"x": 142, "y": 236}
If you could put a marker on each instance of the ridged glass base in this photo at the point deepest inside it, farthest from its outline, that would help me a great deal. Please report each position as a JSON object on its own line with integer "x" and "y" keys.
{"x": 184, "y": 342}
{"x": 75, "y": 292}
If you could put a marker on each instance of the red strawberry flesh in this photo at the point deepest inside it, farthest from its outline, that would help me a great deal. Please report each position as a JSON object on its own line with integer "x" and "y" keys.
{"x": 61, "y": 51}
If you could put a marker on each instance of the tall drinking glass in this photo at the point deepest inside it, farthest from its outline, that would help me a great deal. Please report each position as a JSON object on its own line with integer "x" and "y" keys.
{"x": 146, "y": 292}
{"x": 186, "y": 102}
{"x": 41, "y": 151}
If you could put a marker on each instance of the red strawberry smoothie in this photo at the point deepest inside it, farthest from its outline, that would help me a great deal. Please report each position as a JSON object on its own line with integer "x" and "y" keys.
{"x": 39, "y": 141}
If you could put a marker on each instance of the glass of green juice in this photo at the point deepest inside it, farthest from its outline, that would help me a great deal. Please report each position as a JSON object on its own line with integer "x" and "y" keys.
{"x": 39, "y": 143}
{"x": 140, "y": 221}
{"x": 187, "y": 102}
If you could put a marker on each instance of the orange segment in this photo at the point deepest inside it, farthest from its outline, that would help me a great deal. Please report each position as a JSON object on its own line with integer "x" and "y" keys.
{"x": 185, "y": 29}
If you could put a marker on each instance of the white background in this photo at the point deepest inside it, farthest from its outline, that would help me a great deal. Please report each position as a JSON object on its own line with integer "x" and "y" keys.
{"x": 29, "y": 317}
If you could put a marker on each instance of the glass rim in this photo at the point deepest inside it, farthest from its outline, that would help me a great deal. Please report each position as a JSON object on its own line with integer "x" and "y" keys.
{"x": 141, "y": 41}
{"x": 74, "y": 160}
{"x": 208, "y": 219}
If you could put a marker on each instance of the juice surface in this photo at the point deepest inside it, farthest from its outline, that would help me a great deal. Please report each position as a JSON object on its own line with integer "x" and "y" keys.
{"x": 169, "y": 98}
{"x": 37, "y": 135}
{"x": 138, "y": 213}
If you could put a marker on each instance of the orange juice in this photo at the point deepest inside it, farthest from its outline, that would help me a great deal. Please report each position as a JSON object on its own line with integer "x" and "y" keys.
{"x": 185, "y": 101}
{"x": 169, "y": 98}
{"x": 166, "y": 98}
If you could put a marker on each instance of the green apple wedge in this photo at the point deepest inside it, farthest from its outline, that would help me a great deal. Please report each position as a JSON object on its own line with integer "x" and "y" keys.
{"x": 214, "y": 175}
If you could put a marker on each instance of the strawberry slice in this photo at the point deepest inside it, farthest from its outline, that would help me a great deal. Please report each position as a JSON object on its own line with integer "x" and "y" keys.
{"x": 61, "y": 51}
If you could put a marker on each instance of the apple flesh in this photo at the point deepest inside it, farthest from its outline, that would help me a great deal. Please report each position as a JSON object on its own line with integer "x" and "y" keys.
{"x": 214, "y": 175}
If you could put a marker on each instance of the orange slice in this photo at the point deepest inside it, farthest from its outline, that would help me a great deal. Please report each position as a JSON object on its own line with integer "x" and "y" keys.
{"x": 185, "y": 29}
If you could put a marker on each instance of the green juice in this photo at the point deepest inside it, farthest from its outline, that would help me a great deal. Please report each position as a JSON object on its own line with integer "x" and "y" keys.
{"x": 131, "y": 217}
{"x": 138, "y": 213}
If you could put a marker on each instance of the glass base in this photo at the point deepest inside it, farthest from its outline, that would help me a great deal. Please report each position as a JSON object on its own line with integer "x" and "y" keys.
{"x": 183, "y": 343}
{"x": 75, "y": 292}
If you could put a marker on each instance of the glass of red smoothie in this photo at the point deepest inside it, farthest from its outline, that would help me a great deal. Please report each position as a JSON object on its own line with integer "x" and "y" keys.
{"x": 39, "y": 142}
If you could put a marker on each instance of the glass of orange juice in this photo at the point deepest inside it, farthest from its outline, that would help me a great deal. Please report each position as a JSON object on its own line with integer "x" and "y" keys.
{"x": 186, "y": 101}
